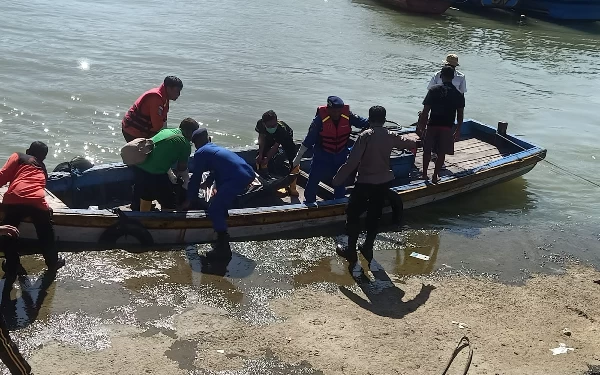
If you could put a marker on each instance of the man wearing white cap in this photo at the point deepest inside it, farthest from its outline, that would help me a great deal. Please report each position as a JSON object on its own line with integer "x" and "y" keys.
{"x": 459, "y": 80}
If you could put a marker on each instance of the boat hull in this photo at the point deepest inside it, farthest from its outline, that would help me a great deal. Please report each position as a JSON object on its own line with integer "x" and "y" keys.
{"x": 419, "y": 6}
{"x": 582, "y": 10}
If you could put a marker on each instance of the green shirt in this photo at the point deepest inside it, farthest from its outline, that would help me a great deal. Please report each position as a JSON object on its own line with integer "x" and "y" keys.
{"x": 170, "y": 147}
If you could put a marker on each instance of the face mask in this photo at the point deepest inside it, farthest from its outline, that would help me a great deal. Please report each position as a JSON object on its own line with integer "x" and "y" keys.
{"x": 271, "y": 130}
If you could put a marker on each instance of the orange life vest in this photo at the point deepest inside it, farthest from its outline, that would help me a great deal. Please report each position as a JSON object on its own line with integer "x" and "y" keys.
{"x": 334, "y": 138}
{"x": 137, "y": 122}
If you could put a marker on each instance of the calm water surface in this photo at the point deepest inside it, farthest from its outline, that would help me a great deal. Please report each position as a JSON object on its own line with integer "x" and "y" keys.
{"x": 70, "y": 68}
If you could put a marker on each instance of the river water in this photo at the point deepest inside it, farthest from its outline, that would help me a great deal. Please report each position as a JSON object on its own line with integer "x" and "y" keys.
{"x": 70, "y": 68}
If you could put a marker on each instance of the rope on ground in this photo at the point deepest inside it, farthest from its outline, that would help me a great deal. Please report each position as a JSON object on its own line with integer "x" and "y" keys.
{"x": 463, "y": 343}
{"x": 553, "y": 164}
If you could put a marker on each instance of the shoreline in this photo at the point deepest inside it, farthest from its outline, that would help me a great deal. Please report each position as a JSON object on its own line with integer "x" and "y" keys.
{"x": 328, "y": 329}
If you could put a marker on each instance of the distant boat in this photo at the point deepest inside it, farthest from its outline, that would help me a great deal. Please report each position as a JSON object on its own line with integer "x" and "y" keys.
{"x": 89, "y": 206}
{"x": 581, "y": 10}
{"x": 419, "y": 6}
{"x": 503, "y": 4}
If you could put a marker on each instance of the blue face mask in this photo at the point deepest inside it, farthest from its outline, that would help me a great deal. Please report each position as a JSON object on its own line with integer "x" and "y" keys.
{"x": 271, "y": 130}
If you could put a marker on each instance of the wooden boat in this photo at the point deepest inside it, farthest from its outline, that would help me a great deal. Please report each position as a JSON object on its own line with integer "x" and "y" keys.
{"x": 419, "y": 6}
{"x": 483, "y": 157}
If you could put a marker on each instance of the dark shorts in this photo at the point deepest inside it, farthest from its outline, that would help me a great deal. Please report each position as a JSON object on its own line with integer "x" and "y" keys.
{"x": 155, "y": 187}
{"x": 439, "y": 139}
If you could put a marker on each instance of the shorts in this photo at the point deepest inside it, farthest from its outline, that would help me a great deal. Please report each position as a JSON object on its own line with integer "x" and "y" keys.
{"x": 158, "y": 187}
{"x": 439, "y": 139}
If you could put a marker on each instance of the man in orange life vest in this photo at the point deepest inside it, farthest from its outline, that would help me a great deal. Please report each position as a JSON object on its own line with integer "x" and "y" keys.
{"x": 148, "y": 115}
{"x": 328, "y": 134}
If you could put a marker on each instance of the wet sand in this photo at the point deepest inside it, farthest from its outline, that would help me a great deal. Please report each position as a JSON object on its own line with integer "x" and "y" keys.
{"x": 290, "y": 307}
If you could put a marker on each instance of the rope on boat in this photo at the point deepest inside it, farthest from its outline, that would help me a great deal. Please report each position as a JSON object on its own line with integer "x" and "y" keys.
{"x": 463, "y": 343}
{"x": 553, "y": 164}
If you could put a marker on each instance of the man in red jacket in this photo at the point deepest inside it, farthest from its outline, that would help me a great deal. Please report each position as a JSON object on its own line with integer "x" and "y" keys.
{"x": 148, "y": 115}
{"x": 26, "y": 197}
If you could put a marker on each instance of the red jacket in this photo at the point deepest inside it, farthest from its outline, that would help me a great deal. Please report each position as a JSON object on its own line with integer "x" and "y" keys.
{"x": 148, "y": 114}
{"x": 27, "y": 178}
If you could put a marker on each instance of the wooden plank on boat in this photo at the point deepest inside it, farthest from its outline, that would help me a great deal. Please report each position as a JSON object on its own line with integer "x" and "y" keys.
{"x": 53, "y": 201}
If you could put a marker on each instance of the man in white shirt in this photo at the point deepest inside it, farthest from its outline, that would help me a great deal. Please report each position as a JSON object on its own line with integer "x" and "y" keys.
{"x": 459, "y": 80}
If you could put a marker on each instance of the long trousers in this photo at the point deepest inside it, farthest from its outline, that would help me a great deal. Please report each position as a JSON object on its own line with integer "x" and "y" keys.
{"x": 370, "y": 198}
{"x": 9, "y": 353}
{"x": 14, "y": 214}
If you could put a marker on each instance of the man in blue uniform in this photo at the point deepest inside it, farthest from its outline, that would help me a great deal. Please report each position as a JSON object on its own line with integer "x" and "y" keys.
{"x": 231, "y": 175}
{"x": 328, "y": 134}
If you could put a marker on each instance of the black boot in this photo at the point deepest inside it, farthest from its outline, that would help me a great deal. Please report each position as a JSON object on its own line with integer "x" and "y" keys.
{"x": 349, "y": 253}
{"x": 221, "y": 250}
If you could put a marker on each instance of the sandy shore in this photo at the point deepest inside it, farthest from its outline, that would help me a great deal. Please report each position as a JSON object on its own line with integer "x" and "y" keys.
{"x": 407, "y": 326}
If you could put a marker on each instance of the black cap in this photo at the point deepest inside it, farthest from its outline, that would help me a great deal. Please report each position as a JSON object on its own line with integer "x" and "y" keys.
{"x": 202, "y": 132}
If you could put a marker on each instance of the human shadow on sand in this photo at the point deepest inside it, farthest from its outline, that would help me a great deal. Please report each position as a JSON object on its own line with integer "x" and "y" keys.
{"x": 384, "y": 298}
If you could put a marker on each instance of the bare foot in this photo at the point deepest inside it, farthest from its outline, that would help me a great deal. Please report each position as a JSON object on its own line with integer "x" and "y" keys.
{"x": 435, "y": 179}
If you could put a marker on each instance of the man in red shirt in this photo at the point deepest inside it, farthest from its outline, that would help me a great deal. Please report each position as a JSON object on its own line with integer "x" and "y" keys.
{"x": 148, "y": 115}
{"x": 26, "y": 197}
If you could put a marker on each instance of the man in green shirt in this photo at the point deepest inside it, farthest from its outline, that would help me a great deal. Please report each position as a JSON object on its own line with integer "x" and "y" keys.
{"x": 152, "y": 181}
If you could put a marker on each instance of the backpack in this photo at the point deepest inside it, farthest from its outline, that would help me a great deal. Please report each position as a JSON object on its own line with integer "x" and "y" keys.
{"x": 136, "y": 151}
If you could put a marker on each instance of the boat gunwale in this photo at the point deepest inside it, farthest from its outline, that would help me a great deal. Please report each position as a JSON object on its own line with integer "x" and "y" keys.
{"x": 300, "y": 211}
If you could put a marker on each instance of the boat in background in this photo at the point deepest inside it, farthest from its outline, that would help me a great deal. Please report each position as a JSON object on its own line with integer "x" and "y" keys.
{"x": 572, "y": 10}
{"x": 502, "y": 4}
{"x": 419, "y": 6}
{"x": 90, "y": 207}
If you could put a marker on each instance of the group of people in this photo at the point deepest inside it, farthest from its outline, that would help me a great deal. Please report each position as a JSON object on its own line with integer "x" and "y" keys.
{"x": 167, "y": 162}
{"x": 328, "y": 137}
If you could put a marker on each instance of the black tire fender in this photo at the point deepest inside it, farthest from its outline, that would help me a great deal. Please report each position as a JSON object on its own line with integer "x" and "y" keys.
{"x": 121, "y": 229}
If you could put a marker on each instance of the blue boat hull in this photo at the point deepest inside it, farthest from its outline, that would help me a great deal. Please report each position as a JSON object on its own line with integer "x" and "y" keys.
{"x": 505, "y": 4}
{"x": 582, "y": 10}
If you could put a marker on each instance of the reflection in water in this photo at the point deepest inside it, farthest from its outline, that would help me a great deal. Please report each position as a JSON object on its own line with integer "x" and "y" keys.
{"x": 23, "y": 311}
{"x": 422, "y": 242}
{"x": 501, "y": 204}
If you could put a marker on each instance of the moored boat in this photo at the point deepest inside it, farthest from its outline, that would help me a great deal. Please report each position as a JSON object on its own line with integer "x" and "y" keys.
{"x": 419, "y": 6}
{"x": 89, "y": 207}
{"x": 502, "y": 4}
{"x": 581, "y": 10}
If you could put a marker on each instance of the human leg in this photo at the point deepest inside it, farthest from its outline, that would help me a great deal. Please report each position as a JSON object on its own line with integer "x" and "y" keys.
{"x": 44, "y": 227}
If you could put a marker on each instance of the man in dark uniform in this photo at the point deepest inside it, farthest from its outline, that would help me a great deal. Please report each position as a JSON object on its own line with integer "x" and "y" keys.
{"x": 9, "y": 353}
{"x": 445, "y": 103}
{"x": 273, "y": 133}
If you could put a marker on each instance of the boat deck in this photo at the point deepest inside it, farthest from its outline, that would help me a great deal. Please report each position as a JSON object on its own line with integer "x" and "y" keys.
{"x": 468, "y": 154}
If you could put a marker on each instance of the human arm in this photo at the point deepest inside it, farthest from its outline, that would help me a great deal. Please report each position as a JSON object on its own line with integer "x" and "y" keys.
{"x": 353, "y": 160}
{"x": 433, "y": 81}
{"x": 463, "y": 85}
{"x": 460, "y": 113}
{"x": 7, "y": 173}
{"x": 310, "y": 140}
{"x": 401, "y": 143}
{"x": 154, "y": 106}
{"x": 9, "y": 231}
{"x": 358, "y": 122}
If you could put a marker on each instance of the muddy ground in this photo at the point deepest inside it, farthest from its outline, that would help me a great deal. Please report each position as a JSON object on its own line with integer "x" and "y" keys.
{"x": 291, "y": 307}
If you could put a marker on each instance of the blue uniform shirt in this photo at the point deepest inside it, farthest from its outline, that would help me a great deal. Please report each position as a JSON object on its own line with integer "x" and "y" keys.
{"x": 313, "y": 138}
{"x": 224, "y": 166}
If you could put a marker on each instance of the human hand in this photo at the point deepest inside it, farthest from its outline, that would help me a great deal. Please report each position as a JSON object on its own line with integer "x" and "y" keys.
{"x": 9, "y": 230}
